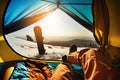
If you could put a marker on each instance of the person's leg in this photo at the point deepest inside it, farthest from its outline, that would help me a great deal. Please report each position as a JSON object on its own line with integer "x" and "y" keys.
{"x": 64, "y": 71}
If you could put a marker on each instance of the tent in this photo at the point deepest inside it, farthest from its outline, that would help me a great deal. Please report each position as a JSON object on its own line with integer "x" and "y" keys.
{"x": 99, "y": 16}
{"x": 25, "y": 15}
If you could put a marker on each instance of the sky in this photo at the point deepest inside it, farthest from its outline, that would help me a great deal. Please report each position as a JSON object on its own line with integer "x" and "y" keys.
{"x": 57, "y": 24}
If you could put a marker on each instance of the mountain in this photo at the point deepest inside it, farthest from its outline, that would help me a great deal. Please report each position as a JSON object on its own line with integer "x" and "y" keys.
{"x": 68, "y": 43}
{"x": 78, "y": 42}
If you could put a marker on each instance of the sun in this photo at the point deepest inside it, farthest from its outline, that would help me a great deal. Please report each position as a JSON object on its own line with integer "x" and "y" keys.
{"x": 52, "y": 18}
{"x": 51, "y": 24}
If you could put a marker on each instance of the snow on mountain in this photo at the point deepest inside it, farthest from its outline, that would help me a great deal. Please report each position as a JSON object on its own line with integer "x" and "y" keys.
{"x": 29, "y": 48}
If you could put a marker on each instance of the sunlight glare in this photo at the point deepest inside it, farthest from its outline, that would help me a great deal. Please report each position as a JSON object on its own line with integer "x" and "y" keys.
{"x": 59, "y": 24}
{"x": 51, "y": 24}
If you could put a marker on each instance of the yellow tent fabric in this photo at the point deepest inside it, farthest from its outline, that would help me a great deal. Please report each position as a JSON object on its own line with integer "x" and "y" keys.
{"x": 3, "y": 4}
{"x": 114, "y": 12}
{"x": 101, "y": 22}
{"x": 114, "y": 32}
{"x": 6, "y": 54}
{"x": 106, "y": 27}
